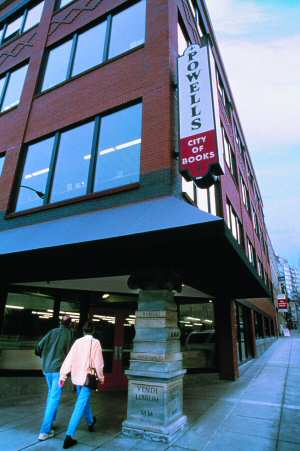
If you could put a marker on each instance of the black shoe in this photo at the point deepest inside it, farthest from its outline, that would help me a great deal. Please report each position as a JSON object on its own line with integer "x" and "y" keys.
{"x": 69, "y": 441}
{"x": 91, "y": 426}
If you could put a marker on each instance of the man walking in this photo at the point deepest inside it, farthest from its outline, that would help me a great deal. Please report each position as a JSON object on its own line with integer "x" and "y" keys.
{"x": 53, "y": 349}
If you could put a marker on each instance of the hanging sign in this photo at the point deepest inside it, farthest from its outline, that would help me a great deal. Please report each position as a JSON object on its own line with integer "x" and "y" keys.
{"x": 282, "y": 303}
{"x": 199, "y": 153}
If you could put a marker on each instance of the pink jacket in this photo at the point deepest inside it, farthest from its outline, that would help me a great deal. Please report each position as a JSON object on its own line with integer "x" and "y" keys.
{"x": 86, "y": 352}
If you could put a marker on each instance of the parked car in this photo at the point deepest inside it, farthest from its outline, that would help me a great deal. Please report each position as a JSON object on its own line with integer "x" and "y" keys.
{"x": 199, "y": 350}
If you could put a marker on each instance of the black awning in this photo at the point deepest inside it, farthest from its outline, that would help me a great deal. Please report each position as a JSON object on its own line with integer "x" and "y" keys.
{"x": 166, "y": 233}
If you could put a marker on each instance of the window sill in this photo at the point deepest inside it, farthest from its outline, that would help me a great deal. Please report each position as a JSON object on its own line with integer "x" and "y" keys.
{"x": 75, "y": 77}
{"x": 72, "y": 201}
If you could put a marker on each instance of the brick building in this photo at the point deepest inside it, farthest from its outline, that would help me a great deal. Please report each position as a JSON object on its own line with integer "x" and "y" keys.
{"x": 96, "y": 218}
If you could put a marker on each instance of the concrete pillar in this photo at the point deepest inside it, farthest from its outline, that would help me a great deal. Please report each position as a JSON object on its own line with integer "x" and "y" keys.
{"x": 155, "y": 374}
{"x": 226, "y": 339}
{"x": 3, "y": 298}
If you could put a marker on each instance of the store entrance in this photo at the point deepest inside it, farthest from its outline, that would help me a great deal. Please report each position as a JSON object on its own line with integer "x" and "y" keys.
{"x": 115, "y": 330}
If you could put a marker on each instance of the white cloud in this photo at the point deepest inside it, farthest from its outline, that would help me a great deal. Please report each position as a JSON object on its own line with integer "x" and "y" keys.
{"x": 232, "y": 17}
{"x": 265, "y": 81}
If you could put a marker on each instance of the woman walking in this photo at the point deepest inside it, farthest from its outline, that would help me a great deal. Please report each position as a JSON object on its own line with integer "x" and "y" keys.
{"x": 86, "y": 353}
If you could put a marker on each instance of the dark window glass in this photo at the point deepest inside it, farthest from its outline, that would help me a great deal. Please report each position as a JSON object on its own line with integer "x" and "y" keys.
{"x": 89, "y": 51}
{"x": 14, "y": 89}
{"x": 57, "y": 65}
{"x": 34, "y": 16}
{"x": 13, "y": 28}
{"x": 35, "y": 174}
{"x": 2, "y": 157}
{"x": 128, "y": 29}
{"x": 71, "y": 172}
{"x": 119, "y": 150}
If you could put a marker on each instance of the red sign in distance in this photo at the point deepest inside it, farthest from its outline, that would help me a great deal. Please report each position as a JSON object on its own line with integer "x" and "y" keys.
{"x": 282, "y": 303}
{"x": 198, "y": 153}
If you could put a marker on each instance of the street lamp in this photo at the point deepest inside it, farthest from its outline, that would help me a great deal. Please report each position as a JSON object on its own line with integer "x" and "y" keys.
{"x": 38, "y": 193}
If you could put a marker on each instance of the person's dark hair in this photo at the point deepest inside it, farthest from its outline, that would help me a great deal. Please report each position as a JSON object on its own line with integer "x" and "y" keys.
{"x": 66, "y": 320}
{"x": 88, "y": 328}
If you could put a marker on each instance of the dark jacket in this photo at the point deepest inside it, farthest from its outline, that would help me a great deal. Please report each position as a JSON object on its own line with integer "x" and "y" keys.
{"x": 53, "y": 348}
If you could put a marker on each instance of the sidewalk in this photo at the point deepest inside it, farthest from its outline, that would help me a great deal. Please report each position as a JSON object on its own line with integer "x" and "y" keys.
{"x": 258, "y": 412}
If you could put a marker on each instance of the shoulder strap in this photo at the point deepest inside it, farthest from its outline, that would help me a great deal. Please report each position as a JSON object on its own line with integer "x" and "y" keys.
{"x": 90, "y": 359}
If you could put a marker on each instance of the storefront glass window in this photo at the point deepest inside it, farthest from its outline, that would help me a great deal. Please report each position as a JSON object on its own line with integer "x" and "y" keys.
{"x": 243, "y": 334}
{"x": 196, "y": 322}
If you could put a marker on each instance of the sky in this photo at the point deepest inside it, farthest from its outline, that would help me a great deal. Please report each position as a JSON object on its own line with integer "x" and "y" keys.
{"x": 259, "y": 42}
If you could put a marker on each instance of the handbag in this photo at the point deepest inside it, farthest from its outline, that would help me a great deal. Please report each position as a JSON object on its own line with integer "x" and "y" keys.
{"x": 91, "y": 380}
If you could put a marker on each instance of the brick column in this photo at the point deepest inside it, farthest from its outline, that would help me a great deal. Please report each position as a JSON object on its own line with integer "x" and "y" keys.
{"x": 155, "y": 375}
{"x": 226, "y": 339}
{"x": 3, "y": 298}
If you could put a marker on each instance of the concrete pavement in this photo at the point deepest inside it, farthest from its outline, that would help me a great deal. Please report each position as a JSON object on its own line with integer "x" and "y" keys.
{"x": 258, "y": 412}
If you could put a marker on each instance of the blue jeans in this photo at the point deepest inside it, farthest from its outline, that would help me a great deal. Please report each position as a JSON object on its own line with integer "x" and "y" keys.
{"x": 53, "y": 401}
{"x": 82, "y": 407}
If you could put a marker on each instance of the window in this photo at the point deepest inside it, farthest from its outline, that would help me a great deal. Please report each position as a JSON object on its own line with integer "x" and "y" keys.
{"x": 2, "y": 158}
{"x": 35, "y": 175}
{"x": 207, "y": 199}
{"x": 72, "y": 166}
{"x": 57, "y": 65}
{"x": 23, "y": 22}
{"x": 255, "y": 221}
{"x": 128, "y": 29}
{"x": 234, "y": 224}
{"x": 229, "y": 155}
{"x": 121, "y": 32}
{"x": 33, "y": 16}
{"x": 188, "y": 189}
{"x": 90, "y": 48}
{"x": 119, "y": 151}
{"x": 12, "y": 28}
{"x": 245, "y": 196}
{"x": 11, "y": 86}
{"x": 251, "y": 253}
{"x": 223, "y": 95}
{"x": 260, "y": 268}
{"x": 72, "y": 163}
